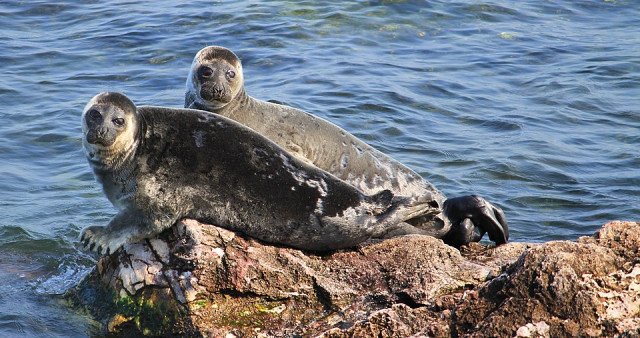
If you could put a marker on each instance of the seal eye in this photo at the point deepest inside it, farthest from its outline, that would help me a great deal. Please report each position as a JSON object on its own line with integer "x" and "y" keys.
{"x": 118, "y": 121}
{"x": 94, "y": 114}
{"x": 206, "y": 71}
{"x": 231, "y": 74}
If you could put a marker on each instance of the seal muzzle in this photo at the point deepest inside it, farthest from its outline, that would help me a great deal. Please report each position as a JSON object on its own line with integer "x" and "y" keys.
{"x": 97, "y": 132}
{"x": 215, "y": 92}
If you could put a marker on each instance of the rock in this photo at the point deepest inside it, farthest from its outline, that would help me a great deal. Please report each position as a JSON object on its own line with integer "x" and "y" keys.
{"x": 200, "y": 280}
{"x": 557, "y": 289}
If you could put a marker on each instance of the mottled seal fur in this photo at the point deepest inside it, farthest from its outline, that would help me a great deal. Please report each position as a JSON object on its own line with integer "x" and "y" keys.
{"x": 216, "y": 83}
{"x": 158, "y": 165}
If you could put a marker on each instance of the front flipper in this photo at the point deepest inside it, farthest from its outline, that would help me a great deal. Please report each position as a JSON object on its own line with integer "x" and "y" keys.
{"x": 99, "y": 239}
{"x": 125, "y": 227}
{"x": 473, "y": 216}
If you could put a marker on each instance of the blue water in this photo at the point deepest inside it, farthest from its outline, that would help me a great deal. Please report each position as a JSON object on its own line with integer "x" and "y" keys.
{"x": 534, "y": 105}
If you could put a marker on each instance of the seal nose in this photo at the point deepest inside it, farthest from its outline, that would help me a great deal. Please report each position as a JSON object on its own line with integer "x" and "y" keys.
{"x": 216, "y": 92}
{"x": 98, "y": 136}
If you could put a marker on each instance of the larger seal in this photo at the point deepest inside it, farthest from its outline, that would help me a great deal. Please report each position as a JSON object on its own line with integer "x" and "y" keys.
{"x": 158, "y": 165}
{"x": 216, "y": 83}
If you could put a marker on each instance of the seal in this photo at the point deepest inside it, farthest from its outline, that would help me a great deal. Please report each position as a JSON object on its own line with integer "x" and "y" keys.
{"x": 216, "y": 83}
{"x": 158, "y": 165}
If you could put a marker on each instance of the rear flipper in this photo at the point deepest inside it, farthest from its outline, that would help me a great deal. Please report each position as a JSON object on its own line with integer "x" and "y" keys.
{"x": 471, "y": 217}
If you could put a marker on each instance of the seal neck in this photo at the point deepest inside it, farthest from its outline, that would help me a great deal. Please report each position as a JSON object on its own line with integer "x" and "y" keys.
{"x": 117, "y": 175}
{"x": 240, "y": 102}
{"x": 108, "y": 160}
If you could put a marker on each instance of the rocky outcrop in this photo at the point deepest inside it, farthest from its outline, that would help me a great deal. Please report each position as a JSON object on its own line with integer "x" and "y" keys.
{"x": 558, "y": 289}
{"x": 198, "y": 279}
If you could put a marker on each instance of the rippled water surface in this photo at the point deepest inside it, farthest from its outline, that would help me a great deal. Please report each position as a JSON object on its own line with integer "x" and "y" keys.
{"x": 534, "y": 105}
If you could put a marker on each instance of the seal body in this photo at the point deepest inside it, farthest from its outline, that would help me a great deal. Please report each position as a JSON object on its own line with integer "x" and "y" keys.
{"x": 158, "y": 165}
{"x": 216, "y": 83}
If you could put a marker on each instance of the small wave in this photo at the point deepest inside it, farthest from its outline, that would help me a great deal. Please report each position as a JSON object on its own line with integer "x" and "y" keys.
{"x": 67, "y": 275}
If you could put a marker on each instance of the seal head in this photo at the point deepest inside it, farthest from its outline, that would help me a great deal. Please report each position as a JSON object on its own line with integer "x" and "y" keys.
{"x": 217, "y": 78}
{"x": 110, "y": 127}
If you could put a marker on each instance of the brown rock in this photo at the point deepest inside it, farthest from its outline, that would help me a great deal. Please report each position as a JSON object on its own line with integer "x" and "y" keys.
{"x": 197, "y": 279}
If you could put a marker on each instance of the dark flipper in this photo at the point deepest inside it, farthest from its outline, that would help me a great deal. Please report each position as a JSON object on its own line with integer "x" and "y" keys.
{"x": 473, "y": 216}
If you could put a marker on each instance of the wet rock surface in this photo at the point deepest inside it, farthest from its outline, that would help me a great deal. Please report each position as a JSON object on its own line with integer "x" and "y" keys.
{"x": 200, "y": 280}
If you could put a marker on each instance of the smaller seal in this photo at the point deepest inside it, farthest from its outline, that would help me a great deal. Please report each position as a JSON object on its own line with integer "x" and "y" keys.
{"x": 216, "y": 83}
{"x": 159, "y": 165}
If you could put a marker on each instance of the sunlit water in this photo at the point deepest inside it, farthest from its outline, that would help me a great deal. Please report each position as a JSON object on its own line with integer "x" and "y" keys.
{"x": 534, "y": 105}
